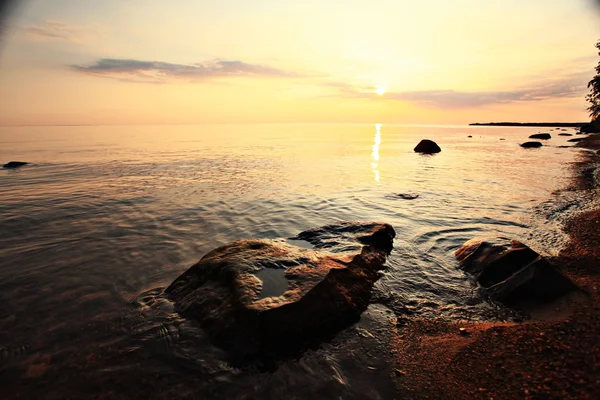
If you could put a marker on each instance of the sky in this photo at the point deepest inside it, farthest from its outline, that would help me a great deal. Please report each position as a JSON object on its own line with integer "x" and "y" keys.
{"x": 72, "y": 62}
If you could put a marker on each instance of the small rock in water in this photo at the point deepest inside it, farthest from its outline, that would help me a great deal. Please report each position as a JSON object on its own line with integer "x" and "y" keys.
{"x": 427, "y": 146}
{"x": 565, "y": 134}
{"x": 405, "y": 196}
{"x": 543, "y": 136}
{"x": 470, "y": 136}
{"x": 14, "y": 164}
{"x": 574, "y": 140}
{"x": 531, "y": 145}
{"x": 502, "y": 138}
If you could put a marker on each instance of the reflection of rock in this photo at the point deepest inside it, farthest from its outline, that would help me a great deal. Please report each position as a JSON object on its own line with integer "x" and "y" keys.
{"x": 405, "y": 196}
{"x": 511, "y": 272}
{"x": 531, "y": 145}
{"x": 427, "y": 146}
{"x": 543, "y": 136}
{"x": 14, "y": 164}
{"x": 264, "y": 297}
{"x": 565, "y": 134}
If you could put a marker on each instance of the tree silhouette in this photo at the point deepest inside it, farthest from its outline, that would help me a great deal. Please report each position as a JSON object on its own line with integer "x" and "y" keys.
{"x": 594, "y": 97}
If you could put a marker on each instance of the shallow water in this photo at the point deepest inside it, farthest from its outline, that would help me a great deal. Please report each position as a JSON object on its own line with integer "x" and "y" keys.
{"x": 104, "y": 214}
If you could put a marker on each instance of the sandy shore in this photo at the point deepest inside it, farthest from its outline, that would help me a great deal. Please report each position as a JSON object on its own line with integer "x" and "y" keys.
{"x": 554, "y": 355}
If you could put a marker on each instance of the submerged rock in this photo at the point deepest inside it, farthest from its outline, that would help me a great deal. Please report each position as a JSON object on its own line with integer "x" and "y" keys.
{"x": 259, "y": 298}
{"x": 531, "y": 145}
{"x": 404, "y": 196}
{"x": 511, "y": 272}
{"x": 14, "y": 164}
{"x": 428, "y": 147}
{"x": 543, "y": 136}
{"x": 565, "y": 134}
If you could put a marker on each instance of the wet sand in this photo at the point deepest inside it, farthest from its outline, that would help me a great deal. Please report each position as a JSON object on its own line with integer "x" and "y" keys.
{"x": 553, "y": 355}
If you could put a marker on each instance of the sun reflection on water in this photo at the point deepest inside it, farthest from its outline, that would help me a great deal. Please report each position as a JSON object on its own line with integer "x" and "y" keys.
{"x": 375, "y": 152}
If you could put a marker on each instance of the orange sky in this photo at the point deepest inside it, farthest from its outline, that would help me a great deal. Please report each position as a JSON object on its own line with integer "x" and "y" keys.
{"x": 387, "y": 61}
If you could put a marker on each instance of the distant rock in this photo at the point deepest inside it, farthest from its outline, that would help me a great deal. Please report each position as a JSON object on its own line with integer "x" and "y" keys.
{"x": 575, "y": 140}
{"x": 263, "y": 298}
{"x": 543, "y": 136}
{"x": 589, "y": 128}
{"x": 404, "y": 196}
{"x": 511, "y": 272}
{"x": 14, "y": 164}
{"x": 470, "y": 136}
{"x": 427, "y": 146}
{"x": 565, "y": 134}
{"x": 531, "y": 145}
{"x": 502, "y": 138}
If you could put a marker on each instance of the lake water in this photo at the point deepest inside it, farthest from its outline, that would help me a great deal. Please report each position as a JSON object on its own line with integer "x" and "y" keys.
{"x": 104, "y": 217}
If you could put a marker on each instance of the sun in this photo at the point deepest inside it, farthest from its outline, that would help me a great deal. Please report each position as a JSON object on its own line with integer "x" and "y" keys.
{"x": 380, "y": 90}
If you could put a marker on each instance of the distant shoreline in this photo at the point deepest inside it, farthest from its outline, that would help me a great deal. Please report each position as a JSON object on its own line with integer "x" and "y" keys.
{"x": 533, "y": 124}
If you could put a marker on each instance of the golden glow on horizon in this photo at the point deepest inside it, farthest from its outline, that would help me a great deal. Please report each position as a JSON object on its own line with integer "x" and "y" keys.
{"x": 389, "y": 61}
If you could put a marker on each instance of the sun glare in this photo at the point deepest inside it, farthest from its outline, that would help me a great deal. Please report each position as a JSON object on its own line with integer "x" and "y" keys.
{"x": 380, "y": 90}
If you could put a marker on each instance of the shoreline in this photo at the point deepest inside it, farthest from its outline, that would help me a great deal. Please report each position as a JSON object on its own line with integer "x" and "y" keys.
{"x": 533, "y": 124}
{"x": 554, "y": 355}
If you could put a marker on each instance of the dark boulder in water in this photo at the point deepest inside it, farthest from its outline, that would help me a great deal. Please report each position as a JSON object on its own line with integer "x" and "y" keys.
{"x": 531, "y": 145}
{"x": 427, "y": 146}
{"x": 511, "y": 272}
{"x": 264, "y": 298}
{"x": 14, "y": 164}
{"x": 565, "y": 134}
{"x": 543, "y": 136}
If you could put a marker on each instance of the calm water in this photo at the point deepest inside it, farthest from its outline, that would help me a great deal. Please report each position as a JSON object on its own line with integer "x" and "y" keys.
{"x": 105, "y": 217}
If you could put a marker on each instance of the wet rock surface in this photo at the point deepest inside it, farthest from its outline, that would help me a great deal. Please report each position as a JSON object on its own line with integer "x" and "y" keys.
{"x": 543, "y": 136}
{"x": 427, "y": 146}
{"x": 269, "y": 299}
{"x": 14, "y": 164}
{"x": 531, "y": 145}
{"x": 511, "y": 272}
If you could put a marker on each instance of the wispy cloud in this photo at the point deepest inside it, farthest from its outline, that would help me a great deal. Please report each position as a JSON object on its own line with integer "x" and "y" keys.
{"x": 160, "y": 72}
{"x": 566, "y": 86}
{"x": 56, "y": 30}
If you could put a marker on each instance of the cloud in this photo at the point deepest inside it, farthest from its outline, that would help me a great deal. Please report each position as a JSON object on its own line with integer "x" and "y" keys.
{"x": 55, "y": 30}
{"x": 159, "y": 72}
{"x": 567, "y": 86}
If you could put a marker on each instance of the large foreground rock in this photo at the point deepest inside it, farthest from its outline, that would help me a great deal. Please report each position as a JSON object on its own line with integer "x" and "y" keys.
{"x": 427, "y": 146}
{"x": 257, "y": 297}
{"x": 511, "y": 272}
